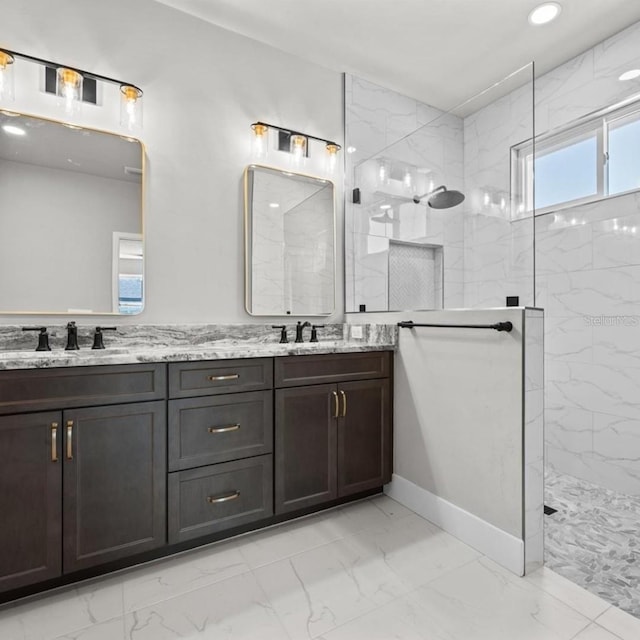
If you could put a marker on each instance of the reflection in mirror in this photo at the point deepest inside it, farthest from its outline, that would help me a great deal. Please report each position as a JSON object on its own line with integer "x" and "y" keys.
{"x": 289, "y": 243}
{"x": 66, "y": 194}
{"x": 127, "y": 273}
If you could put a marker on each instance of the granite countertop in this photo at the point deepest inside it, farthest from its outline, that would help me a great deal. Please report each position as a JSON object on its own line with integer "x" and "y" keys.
{"x": 217, "y": 350}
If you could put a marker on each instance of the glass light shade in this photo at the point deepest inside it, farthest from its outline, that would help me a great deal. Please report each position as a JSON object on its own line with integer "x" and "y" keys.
{"x": 6, "y": 77}
{"x": 384, "y": 169}
{"x": 130, "y": 107}
{"x": 331, "y": 161}
{"x": 259, "y": 141}
{"x": 298, "y": 149}
{"x": 409, "y": 181}
{"x": 69, "y": 90}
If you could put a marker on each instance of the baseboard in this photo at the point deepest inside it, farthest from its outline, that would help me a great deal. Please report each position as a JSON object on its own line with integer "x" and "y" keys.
{"x": 502, "y": 547}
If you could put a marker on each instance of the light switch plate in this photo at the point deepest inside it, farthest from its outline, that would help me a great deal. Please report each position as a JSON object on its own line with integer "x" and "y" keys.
{"x": 356, "y": 331}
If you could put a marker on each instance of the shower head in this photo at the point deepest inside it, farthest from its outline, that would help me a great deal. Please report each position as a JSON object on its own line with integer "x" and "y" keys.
{"x": 441, "y": 198}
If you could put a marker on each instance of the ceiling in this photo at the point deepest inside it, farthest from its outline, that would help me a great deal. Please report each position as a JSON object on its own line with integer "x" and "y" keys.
{"x": 441, "y": 52}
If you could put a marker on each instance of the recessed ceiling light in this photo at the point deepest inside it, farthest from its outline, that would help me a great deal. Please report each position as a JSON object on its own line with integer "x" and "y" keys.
{"x": 274, "y": 205}
{"x": 14, "y": 131}
{"x": 351, "y": 149}
{"x": 384, "y": 207}
{"x": 544, "y": 13}
{"x": 632, "y": 74}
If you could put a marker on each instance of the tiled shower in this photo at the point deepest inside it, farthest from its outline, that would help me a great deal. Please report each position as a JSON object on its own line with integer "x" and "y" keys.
{"x": 581, "y": 263}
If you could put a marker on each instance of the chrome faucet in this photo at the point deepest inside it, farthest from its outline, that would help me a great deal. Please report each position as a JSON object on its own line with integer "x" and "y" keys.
{"x": 299, "y": 327}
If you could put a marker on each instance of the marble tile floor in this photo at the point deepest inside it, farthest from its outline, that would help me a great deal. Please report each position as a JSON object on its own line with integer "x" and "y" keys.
{"x": 372, "y": 570}
{"x": 594, "y": 539}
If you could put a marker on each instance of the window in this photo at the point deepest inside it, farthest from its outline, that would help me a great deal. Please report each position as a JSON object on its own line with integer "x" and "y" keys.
{"x": 130, "y": 299}
{"x": 593, "y": 159}
{"x": 127, "y": 273}
{"x": 624, "y": 154}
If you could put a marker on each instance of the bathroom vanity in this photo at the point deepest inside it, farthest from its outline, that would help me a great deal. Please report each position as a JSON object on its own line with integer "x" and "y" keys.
{"x": 109, "y": 465}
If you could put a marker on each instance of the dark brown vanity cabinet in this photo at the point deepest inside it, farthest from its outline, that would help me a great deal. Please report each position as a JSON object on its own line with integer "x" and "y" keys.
{"x": 220, "y": 446}
{"x": 30, "y": 499}
{"x": 105, "y": 466}
{"x": 332, "y": 439}
{"x": 114, "y": 483}
{"x": 83, "y": 486}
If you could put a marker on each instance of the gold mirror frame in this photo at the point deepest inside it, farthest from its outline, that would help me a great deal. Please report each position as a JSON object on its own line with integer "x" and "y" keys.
{"x": 328, "y": 273}
{"x": 65, "y": 250}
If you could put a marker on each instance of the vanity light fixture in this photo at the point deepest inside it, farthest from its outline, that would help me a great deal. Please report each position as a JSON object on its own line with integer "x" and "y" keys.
{"x": 332, "y": 157}
{"x": 289, "y": 141}
{"x": 6, "y": 76}
{"x": 69, "y": 90}
{"x": 130, "y": 107}
{"x": 298, "y": 148}
{"x": 544, "y": 13}
{"x": 69, "y": 87}
{"x": 259, "y": 140}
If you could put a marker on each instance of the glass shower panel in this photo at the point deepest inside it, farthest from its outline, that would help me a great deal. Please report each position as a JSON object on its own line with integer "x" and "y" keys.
{"x": 587, "y": 258}
{"x": 440, "y": 180}
{"x": 498, "y": 230}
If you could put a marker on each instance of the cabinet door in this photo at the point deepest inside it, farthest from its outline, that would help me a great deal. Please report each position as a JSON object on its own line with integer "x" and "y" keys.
{"x": 114, "y": 481}
{"x": 305, "y": 447}
{"x": 30, "y": 499}
{"x": 364, "y": 436}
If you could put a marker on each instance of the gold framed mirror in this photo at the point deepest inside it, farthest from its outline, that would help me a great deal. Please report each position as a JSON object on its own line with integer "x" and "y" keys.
{"x": 68, "y": 195}
{"x": 290, "y": 243}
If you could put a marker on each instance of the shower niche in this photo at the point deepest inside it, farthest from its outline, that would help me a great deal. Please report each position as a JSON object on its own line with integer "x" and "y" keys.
{"x": 414, "y": 276}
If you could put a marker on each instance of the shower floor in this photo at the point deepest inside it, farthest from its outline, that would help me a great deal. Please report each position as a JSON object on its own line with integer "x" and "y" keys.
{"x": 594, "y": 539}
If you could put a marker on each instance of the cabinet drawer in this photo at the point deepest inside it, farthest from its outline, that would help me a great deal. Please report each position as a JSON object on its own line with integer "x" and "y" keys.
{"x": 211, "y": 499}
{"x": 295, "y": 371}
{"x": 220, "y": 376}
{"x": 35, "y": 389}
{"x": 218, "y": 429}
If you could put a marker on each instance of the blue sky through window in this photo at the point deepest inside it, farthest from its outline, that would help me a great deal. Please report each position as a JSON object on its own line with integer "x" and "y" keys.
{"x": 624, "y": 157}
{"x": 567, "y": 174}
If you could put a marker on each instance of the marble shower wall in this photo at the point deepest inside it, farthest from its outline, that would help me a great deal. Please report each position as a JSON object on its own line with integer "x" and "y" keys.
{"x": 588, "y": 280}
{"x": 498, "y": 249}
{"x": 406, "y": 137}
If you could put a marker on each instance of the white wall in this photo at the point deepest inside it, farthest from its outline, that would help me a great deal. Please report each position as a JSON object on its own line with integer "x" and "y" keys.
{"x": 203, "y": 87}
{"x": 65, "y": 258}
{"x": 463, "y": 412}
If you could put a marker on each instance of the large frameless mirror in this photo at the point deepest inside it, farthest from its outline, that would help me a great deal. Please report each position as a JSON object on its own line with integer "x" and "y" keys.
{"x": 71, "y": 219}
{"x": 289, "y": 243}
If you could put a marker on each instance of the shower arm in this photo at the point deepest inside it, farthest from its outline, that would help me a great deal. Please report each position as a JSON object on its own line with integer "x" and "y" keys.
{"x": 417, "y": 199}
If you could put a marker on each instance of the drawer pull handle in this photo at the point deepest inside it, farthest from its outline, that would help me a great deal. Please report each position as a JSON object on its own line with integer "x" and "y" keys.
{"x": 54, "y": 442}
{"x": 225, "y": 498}
{"x": 344, "y": 403}
{"x": 231, "y": 376}
{"x": 231, "y": 427}
{"x": 69, "y": 439}
{"x": 336, "y": 404}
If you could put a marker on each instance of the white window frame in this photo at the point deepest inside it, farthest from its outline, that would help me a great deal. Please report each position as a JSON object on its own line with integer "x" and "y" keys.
{"x": 522, "y": 158}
